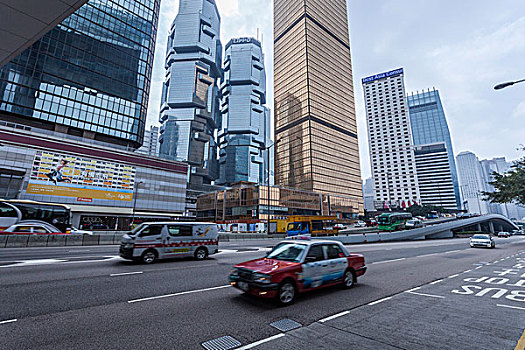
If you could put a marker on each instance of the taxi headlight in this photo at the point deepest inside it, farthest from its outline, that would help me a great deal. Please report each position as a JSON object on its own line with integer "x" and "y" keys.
{"x": 262, "y": 278}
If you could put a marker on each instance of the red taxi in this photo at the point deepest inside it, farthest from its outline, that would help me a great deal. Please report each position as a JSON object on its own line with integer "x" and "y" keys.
{"x": 295, "y": 266}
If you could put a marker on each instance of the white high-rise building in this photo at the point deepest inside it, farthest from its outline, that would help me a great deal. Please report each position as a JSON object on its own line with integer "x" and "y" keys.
{"x": 471, "y": 183}
{"x": 390, "y": 140}
{"x": 151, "y": 142}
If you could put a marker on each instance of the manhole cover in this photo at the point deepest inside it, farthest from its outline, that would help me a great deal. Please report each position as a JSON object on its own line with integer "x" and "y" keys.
{"x": 222, "y": 343}
{"x": 285, "y": 325}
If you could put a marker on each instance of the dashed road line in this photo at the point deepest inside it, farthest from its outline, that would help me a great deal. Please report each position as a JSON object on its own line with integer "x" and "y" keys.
{"x": 454, "y": 251}
{"x": 467, "y": 271}
{"x": 456, "y": 275}
{"x": 387, "y": 261}
{"x": 413, "y": 289}
{"x": 177, "y": 294}
{"x": 512, "y": 307}
{"x": 262, "y": 341}
{"x": 436, "y": 282}
{"x": 479, "y": 267}
{"x": 427, "y": 295}
{"x": 334, "y": 316}
{"x": 126, "y": 273}
{"x": 379, "y": 301}
{"x": 9, "y": 321}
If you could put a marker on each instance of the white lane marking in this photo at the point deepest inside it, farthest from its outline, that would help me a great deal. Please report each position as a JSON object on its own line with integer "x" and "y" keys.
{"x": 9, "y": 321}
{"x": 177, "y": 294}
{"x": 454, "y": 251}
{"x": 126, "y": 273}
{"x": 512, "y": 307}
{"x": 387, "y": 261}
{"x": 35, "y": 262}
{"x": 413, "y": 289}
{"x": 466, "y": 271}
{"x": 456, "y": 275}
{"x": 379, "y": 301}
{"x": 479, "y": 267}
{"x": 422, "y": 256}
{"x": 436, "y": 282}
{"x": 427, "y": 295}
{"x": 334, "y": 316}
{"x": 257, "y": 343}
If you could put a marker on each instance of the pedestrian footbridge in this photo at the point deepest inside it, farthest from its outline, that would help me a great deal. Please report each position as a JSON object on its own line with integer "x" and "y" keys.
{"x": 488, "y": 223}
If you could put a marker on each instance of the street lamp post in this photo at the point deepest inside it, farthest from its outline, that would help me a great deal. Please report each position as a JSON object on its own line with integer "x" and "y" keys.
{"x": 135, "y": 194}
{"x": 507, "y": 84}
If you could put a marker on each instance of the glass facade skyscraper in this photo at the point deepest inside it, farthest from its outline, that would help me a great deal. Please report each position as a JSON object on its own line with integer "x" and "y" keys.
{"x": 190, "y": 98}
{"x": 245, "y": 134}
{"x": 429, "y": 125}
{"x": 89, "y": 76}
{"x": 315, "y": 122}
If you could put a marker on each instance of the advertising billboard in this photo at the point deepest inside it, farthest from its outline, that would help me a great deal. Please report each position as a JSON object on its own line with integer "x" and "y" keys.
{"x": 55, "y": 174}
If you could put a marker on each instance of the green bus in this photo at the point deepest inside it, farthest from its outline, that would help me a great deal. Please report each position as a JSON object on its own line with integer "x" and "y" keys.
{"x": 393, "y": 221}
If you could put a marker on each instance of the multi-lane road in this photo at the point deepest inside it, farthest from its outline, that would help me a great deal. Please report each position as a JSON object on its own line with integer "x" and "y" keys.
{"x": 88, "y": 298}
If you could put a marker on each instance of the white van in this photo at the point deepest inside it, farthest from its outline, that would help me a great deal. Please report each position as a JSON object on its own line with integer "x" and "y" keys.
{"x": 165, "y": 240}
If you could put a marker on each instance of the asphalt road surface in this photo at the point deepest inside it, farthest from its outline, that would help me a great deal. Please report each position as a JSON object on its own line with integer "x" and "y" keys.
{"x": 88, "y": 298}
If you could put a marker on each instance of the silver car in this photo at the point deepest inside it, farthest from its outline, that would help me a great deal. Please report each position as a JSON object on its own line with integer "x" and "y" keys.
{"x": 484, "y": 241}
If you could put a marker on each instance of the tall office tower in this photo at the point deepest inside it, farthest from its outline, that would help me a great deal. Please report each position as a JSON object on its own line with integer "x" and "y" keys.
{"x": 190, "y": 98}
{"x": 390, "y": 140}
{"x": 151, "y": 142}
{"x": 245, "y": 134}
{"x": 368, "y": 194}
{"x": 315, "y": 122}
{"x": 436, "y": 186}
{"x": 89, "y": 77}
{"x": 471, "y": 183}
{"x": 429, "y": 125}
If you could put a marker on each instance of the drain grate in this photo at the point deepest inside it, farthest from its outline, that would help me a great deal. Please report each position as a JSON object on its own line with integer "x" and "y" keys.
{"x": 222, "y": 343}
{"x": 285, "y": 325}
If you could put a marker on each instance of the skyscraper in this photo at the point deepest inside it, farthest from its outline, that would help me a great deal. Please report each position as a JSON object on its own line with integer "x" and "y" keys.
{"x": 151, "y": 142}
{"x": 190, "y": 98}
{"x": 315, "y": 123}
{"x": 471, "y": 183}
{"x": 245, "y": 134}
{"x": 429, "y": 126}
{"x": 89, "y": 77}
{"x": 390, "y": 140}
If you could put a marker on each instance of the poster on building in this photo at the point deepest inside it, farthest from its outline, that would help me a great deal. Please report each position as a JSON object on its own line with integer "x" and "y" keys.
{"x": 55, "y": 174}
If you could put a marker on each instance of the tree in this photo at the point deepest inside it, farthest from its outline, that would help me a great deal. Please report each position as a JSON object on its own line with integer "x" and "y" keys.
{"x": 509, "y": 187}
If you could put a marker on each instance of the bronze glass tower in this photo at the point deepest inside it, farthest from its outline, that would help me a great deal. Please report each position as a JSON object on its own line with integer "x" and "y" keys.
{"x": 315, "y": 123}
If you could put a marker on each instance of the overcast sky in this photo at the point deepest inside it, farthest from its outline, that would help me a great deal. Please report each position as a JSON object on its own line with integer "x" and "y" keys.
{"x": 463, "y": 48}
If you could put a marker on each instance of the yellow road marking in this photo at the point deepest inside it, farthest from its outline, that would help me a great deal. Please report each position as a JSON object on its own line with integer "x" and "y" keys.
{"x": 521, "y": 343}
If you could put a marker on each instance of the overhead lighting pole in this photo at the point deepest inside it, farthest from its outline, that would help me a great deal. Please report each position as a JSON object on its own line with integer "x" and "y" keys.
{"x": 507, "y": 84}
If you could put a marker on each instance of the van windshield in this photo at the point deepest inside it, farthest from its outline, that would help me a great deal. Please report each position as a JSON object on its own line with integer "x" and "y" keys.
{"x": 136, "y": 230}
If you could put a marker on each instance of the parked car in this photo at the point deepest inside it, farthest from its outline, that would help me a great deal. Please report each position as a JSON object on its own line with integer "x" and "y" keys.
{"x": 481, "y": 240}
{"x": 32, "y": 229}
{"x": 504, "y": 234}
{"x": 414, "y": 223}
{"x": 293, "y": 267}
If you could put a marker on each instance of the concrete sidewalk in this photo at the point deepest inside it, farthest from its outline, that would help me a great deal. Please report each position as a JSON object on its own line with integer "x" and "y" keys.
{"x": 481, "y": 308}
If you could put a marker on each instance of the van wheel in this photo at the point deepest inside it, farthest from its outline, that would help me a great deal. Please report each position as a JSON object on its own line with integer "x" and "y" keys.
{"x": 201, "y": 253}
{"x": 149, "y": 257}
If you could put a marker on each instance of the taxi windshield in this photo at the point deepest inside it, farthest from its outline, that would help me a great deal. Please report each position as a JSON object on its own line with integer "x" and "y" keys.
{"x": 288, "y": 252}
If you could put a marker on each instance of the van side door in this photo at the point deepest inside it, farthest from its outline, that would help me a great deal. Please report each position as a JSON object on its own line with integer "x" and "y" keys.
{"x": 179, "y": 241}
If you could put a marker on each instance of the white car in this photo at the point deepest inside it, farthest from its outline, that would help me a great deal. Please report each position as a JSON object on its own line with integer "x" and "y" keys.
{"x": 360, "y": 224}
{"x": 76, "y": 231}
{"x": 480, "y": 240}
{"x": 414, "y": 223}
{"x": 29, "y": 228}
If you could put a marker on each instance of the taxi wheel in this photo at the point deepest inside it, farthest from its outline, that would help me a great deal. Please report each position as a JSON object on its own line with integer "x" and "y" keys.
{"x": 149, "y": 257}
{"x": 286, "y": 293}
{"x": 201, "y": 254}
{"x": 349, "y": 279}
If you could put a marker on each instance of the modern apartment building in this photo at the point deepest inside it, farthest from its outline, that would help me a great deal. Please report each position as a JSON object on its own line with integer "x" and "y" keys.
{"x": 315, "y": 124}
{"x": 472, "y": 183}
{"x": 190, "y": 112}
{"x": 436, "y": 186}
{"x": 89, "y": 77}
{"x": 150, "y": 145}
{"x": 390, "y": 140}
{"x": 244, "y": 139}
{"x": 429, "y": 126}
